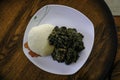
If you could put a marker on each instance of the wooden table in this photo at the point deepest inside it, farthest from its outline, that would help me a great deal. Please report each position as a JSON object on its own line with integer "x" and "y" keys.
{"x": 14, "y": 17}
{"x": 116, "y": 68}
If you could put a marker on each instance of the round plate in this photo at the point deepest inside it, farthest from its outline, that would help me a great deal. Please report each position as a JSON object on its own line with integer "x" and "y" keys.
{"x": 60, "y": 15}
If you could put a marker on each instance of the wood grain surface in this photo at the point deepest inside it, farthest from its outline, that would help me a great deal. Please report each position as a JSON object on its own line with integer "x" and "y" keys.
{"x": 14, "y": 17}
{"x": 115, "y": 75}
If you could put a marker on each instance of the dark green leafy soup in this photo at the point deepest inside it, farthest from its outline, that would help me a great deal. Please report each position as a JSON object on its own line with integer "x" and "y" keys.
{"x": 68, "y": 43}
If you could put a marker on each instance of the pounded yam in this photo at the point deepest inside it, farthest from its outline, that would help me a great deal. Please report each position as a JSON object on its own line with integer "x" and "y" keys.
{"x": 38, "y": 39}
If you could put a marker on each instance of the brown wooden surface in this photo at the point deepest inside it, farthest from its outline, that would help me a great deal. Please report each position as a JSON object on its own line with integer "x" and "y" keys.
{"x": 116, "y": 68}
{"x": 14, "y": 17}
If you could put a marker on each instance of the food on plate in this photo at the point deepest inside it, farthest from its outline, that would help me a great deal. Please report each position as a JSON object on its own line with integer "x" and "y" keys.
{"x": 38, "y": 40}
{"x": 67, "y": 42}
{"x": 62, "y": 43}
{"x": 30, "y": 52}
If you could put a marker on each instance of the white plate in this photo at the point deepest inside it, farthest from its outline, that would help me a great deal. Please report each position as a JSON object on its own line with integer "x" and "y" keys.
{"x": 61, "y": 15}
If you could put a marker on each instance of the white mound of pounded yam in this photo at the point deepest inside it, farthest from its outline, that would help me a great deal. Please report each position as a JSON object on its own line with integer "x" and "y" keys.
{"x": 38, "y": 39}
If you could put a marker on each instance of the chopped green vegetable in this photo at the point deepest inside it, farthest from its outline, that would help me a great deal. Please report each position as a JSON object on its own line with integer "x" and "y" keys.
{"x": 68, "y": 43}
